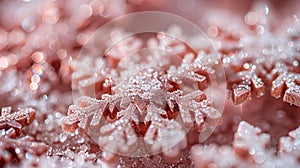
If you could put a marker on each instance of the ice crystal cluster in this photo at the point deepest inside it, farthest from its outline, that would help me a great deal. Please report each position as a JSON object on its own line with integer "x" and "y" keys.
{"x": 249, "y": 149}
{"x": 260, "y": 57}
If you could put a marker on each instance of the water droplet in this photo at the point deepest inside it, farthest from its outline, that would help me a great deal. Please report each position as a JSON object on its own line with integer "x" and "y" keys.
{"x": 251, "y": 18}
{"x": 252, "y": 151}
{"x": 28, "y": 24}
{"x": 260, "y": 30}
{"x": 18, "y": 150}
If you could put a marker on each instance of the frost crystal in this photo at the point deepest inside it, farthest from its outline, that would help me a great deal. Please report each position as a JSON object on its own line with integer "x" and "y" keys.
{"x": 250, "y": 142}
{"x": 153, "y": 95}
{"x": 16, "y": 120}
{"x": 249, "y": 149}
{"x": 148, "y": 94}
{"x": 18, "y": 149}
{"x": 213, "y": 156}
{"x": 290, "y": 145}
{"x": 259, "y": 56}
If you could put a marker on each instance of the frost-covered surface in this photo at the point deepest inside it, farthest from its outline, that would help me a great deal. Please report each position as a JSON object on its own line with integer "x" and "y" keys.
{"x": 249, "y": 149}
{"x": 134, "y": 98}
{"x": 17, "y": 119}
{"x": 14, "y": 145}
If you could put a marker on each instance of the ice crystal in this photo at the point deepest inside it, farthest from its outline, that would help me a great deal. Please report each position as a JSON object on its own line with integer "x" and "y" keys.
{"x": 83, "y": 160}
{"x": 149, "y": 92}
{"x": 91, "y": 76}
{"x": 46, "y": 128}
{"x": 20, "y": 148}
{"x": 212, "y": 155}
{"x": 260, "y": 56}
{"x": 136, "y": 100}
{"x": 290, "y": 145}
{"x": 17, "y": 119}
{"x": 250, "y": 142}
{"x": 286, "y": 84}
{"x": 249, "y": 149}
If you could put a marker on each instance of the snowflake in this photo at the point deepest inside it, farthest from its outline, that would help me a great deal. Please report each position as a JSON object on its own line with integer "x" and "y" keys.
{"x": 16, "y": 120}
{"x": 249, "y": 141}
{"x": 250, "y": 148}
{"x": 11, "y": 125}
{"x": 291, "y": 144}
{"x": 286, "y": 84}
{"x": 259, "y": 56}
{"x": 154, "y": 96}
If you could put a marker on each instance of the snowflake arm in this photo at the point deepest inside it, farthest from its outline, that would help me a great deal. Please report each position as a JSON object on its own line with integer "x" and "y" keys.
{"x": 88, "y": 109}
{"x": 16, "y": 119}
